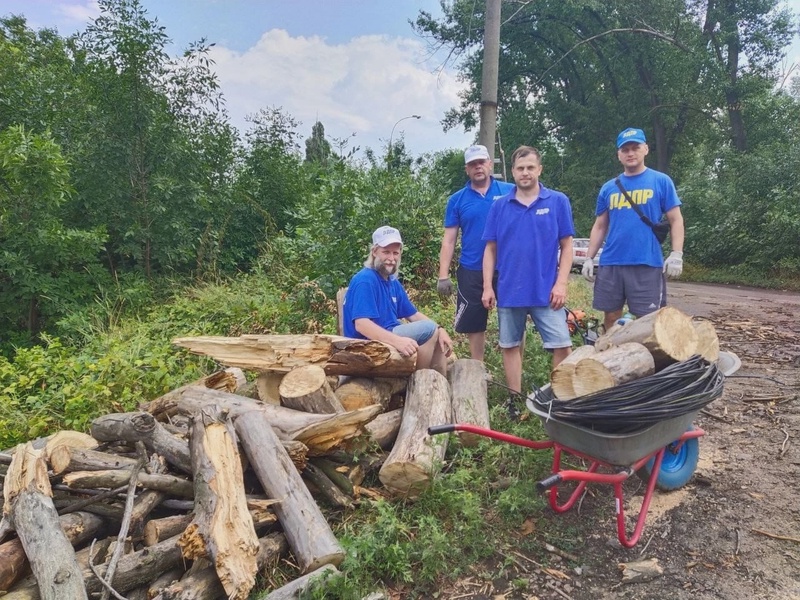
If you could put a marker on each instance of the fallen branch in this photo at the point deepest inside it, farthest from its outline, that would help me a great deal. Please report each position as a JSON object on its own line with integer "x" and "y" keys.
{"x": 775, "y": 536}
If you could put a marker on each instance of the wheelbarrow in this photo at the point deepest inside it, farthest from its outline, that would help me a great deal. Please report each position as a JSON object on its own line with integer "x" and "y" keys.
{"x": 664, "y": 455}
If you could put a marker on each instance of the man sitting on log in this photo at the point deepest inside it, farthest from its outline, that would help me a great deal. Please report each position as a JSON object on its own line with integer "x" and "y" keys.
{"x": 376, "y": 301}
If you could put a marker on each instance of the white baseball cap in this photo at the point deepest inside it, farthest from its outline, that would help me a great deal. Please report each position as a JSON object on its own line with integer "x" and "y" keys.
{"x": 476, "y": 152}
{"x": 385, "y": 235}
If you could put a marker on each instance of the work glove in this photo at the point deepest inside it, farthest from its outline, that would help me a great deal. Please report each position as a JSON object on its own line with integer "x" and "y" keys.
{"x": 673, "y": 266}
{"x": 444, "y": 287}
{"x": 588, "y": 270}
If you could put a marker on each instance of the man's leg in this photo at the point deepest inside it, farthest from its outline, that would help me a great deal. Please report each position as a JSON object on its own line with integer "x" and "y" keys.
{"x": 477, "y": 344}
{"x": 552, "y": 326}
{"x": 646, "y": 289}
{"x": 609, "y": 294}
{"x": 609, "y": 318}
{"x": 471, "y": 316}
{"x": 426, "y": 333}
{"x": 512, "y": 335}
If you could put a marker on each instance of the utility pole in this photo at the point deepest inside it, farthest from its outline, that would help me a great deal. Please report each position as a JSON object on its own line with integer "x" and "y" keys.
{"x": 491, "y": 61}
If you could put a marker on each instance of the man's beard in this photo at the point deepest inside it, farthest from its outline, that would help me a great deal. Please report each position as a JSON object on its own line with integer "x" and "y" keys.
{"x": 383, "y": 269}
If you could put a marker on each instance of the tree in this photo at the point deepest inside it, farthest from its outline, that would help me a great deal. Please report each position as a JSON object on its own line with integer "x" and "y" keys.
{"x": 318, "y": 149}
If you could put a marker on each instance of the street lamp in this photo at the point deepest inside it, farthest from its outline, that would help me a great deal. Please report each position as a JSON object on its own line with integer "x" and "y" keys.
{"x": 391, "y": 135}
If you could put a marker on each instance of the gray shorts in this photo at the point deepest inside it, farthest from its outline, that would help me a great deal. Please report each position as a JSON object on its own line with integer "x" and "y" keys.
{"x": 642, "y": 288}
{"x": 471, "y": 316}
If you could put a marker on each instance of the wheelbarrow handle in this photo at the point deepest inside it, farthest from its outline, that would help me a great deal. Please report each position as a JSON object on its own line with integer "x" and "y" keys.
{"x": 547, "y": 483}
{"x": 439, "y": 429}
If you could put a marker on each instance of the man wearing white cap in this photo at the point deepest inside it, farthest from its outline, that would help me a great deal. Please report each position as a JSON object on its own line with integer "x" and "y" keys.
{"x": 466, "y": 211}
{"x": 632, "y": 268}
{"x": 376, "y": 302}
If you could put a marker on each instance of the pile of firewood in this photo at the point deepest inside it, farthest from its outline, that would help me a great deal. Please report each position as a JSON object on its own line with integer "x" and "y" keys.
{"x": 633, "y": 350}
{"x": 196, "y": 493}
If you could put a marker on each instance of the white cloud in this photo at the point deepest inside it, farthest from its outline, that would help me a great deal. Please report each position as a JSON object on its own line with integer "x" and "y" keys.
{"x": 78, "y": 13}
{"x": 364, "y": 86}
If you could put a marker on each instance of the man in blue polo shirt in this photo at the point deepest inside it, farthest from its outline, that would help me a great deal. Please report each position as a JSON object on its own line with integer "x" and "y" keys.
{"x": 524, "y": 232}
{"x": 376, "y": 301}
{"x": 466, "y": 210}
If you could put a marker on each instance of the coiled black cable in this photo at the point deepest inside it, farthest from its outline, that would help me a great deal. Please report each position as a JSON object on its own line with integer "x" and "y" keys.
{"x": 674, "y": 391}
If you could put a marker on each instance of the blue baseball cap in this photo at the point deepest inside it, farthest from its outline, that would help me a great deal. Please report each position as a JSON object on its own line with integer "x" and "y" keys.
{"x": 630, "y": 134}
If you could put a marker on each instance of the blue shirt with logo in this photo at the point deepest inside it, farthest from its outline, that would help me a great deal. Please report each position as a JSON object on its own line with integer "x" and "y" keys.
{"x": 467, "y": 209}
{"x": 528, "y": 239}
{"x": 629, "y": 240}
{"x": 370, "y": 296}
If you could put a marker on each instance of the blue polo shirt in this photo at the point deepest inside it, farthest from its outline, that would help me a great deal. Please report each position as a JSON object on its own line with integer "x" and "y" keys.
{"x": 630, "y": 241}
{"x": 527, "y": 245}
{"x": 370, "y": 296}
{"x": 467, "y": 209}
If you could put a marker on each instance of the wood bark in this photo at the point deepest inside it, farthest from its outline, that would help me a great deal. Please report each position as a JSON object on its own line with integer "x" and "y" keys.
{"x": 70, "y": 439}
{"x": 296, "y": 588}
{"x": 326, "y": 488}
{"x": 142, "y": 426}
{"x": 65, "y": 459}
{"x": 169, "y": 484}
{"x": 469, "y": 383}
{"x": 229, "y": 380}
{"x": 268, "y": 385}
{"x": 222, "y": 529}
{"x": 561, "y": 377}
{"x": 707, "y": 340}
{"x": 29, "y": 507}
{"x": 358, "y": 392}
{"x": 304, "y": 525}
{"x": 77, "y": 526}
{"x": 282, "y": 353}
{"x": 612, "y": 367}
{"x": 667, "y": 333}
{"x": 416, "y": 456}
{"x": 320, "y": 433}
{"x": 156, "y": 530}
{"x": 383, "y": 429}
{"x": 307, "y": 389}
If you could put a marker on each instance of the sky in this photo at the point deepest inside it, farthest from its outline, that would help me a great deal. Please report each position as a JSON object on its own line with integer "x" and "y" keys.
{"x": 355, "y": 65}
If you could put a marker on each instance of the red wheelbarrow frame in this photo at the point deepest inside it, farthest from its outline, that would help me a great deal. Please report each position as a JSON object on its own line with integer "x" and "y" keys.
{"x": 585, "y": 477}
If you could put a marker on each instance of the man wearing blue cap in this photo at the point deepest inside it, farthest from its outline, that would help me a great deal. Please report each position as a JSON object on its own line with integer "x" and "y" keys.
{"x": 632, "y": 268}
{"x": 466, "y": 211}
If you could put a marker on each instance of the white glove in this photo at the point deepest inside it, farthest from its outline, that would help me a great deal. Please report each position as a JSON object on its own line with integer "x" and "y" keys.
{"x": 673, "y": 266}
{"x": 588, "y": 270}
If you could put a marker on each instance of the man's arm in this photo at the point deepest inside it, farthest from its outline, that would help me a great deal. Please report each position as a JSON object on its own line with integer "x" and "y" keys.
{"x": 447, "y": 251}
{"x": 598, "y": 235}
{"x": 372, "y": 331}
{"x": 489, "y": 263}
{"x": 676, "y": 230}
{"x": 558, "y": 295}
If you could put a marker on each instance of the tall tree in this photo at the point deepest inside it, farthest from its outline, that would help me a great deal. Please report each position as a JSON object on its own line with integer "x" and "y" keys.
{"x": 318, "y": 149}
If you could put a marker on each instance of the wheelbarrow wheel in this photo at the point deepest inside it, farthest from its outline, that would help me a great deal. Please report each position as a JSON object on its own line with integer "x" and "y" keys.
{"x": 677, "y": 467}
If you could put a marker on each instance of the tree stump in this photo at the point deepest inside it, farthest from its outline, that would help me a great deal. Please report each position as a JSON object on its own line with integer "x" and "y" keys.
{"x": 667, "y": 333}
{"x": 358, "y": 392}
{"x": 469, "y": 382}
{"x": 307, "y": 389}
{"x": 612, "y": 367}
{"x": 416, "y": 456}
{"x": 707, "y": 340}
{"x": 561, "y": 377}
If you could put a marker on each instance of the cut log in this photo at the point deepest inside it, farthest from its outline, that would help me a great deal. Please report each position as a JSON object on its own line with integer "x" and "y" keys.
{"x": 169, "y": 484}
{"x": 29, "y": 508}
{"x": 707, "y": 340}
{"x": 667, "y": 333}
{"x": 326, "y": 488}
{"x": 304, "y": 525}
{"x": 268, "y": 385}
{"x": 229, "y": 380}
{"x": 469, "y": 382}
{"x": 383, "y": 429}
{"x": 612, "y": 367}
{"x": 222, "y": 529}
{"x": 358, "y": 392}
{"x": 296, "y": 588}
{"x": 307, "y": 389}
{"x": 77, "y": 526}
{"x": 282, "y": 353}
{"x": 69, "y": 439}
{"x": 320, "y": 433}
{"x": 561, "y": 376}
{"x": 65, "y": 459}
{"x": 142, "y": 426}
{"x": 156, "y": 530}
{"x": 416, "y": 456}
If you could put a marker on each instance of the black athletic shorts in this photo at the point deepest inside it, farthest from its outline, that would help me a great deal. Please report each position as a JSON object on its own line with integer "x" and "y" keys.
{"x": 471, "y": 316}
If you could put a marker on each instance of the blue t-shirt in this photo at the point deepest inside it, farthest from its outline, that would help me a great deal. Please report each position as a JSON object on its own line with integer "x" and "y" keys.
{"x": 467, "y": 209}
{"x": 527, "y": 245}
{"x": 370, "y": 296}
{"x": 629, "y": 240}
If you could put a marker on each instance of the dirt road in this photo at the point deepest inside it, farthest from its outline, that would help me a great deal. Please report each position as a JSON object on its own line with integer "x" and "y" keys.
{"x": 720, "y": 536}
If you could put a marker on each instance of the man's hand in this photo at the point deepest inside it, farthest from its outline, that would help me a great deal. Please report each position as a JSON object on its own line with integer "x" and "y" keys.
{"x": 445, "y": 343}
{"x": 558, "y": 296}
{"x": 405, "y": 346}
{"x": 445, "y": 287}
{"x": 673, "y": 266}
{"x": 488, "y": 299}
{"x": 588, "y": 269}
